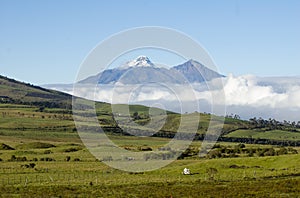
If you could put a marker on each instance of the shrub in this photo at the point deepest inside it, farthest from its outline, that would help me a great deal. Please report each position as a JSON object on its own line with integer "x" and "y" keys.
{"x": 292, "y": 151}
{"x": 47, "y": 159}
{"x": 35, "y": 145}
{"x": 72, "y": 149}
{"x": 5, "y": 147}
{"x": 31, "y": 165}
{"x": 269, "y": 152}
{"x": 68, "y": 158}
{"x": 214, "y": 154}
{"x": 282, "y": 151}
{"x": 47, "y": 152}
{"x": 13, "y": 158}
{"x": 22, "y": 159}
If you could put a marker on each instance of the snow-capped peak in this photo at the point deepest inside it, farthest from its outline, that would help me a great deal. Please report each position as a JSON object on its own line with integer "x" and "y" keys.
{"x": 141, "y": 61}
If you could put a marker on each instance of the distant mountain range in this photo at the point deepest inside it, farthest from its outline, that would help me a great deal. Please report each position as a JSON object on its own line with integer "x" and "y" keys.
{"x": 142, "y": 70}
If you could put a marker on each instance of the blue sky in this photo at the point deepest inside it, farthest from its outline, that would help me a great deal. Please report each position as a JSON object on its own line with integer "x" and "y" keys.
{"x": 44, "y": 42}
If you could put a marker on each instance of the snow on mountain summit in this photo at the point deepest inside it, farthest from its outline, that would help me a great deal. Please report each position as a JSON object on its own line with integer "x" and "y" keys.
{"x": 141, "y": 61}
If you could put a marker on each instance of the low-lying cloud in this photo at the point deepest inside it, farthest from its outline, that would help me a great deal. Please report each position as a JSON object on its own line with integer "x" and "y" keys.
{"x": 247, "y": 95}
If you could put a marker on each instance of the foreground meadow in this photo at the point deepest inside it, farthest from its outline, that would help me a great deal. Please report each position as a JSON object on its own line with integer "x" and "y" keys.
{"x": 41, "y": 155}
{"x": 52, "y": 168}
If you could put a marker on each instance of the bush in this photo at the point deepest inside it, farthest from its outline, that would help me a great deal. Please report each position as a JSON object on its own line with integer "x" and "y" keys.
{"x": 5, "y": 147}
{"x": 68, "y": 158}
{"x": 214, "y": 154}
{"x": 282, "y": 151}
{"x": 269, "y": 152}
{"x": 22, "y": 159}
{"x": 47, "y": 159}
{"x": 292, "y": 151}
{"x": 13, "y": 158}
{"x": 72, "y": 149}
{"x": 35, "y": 145}
{"x": 47, "y": 152}
{"x": 31, "y": 165}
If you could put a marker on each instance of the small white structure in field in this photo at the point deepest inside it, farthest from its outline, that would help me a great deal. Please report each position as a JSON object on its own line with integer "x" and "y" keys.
{"x": 186, "y": 171}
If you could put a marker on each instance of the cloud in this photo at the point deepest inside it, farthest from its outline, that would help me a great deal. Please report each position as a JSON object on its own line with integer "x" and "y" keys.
{"x": 247, "y": 95}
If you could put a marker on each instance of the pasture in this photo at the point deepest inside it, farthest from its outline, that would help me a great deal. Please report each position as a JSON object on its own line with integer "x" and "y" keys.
{"x": 41, "y": 155}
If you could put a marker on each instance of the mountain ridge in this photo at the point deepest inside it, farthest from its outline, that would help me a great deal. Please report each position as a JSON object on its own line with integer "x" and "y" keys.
{"x": 142, "y": 70}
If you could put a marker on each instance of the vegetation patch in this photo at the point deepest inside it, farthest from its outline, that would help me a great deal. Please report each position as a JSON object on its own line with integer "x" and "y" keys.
{"x": 5, "y": 147}
{"x": 72, "y": 149}
{"x": 35, "y": 145}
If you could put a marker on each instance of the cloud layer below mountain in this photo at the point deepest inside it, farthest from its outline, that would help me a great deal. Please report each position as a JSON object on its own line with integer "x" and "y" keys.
{"x": 247, "y": 95}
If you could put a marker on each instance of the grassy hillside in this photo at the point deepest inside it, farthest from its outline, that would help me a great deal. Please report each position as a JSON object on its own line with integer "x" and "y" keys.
{"x": 15, "y": 92}
{"x": 20, "y": 103}
{"x": 271, "y": 134}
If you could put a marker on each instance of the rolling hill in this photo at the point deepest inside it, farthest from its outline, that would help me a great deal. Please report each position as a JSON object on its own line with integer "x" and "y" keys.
{"x": 15, "y": 92}
{"x": 20, "y": 105}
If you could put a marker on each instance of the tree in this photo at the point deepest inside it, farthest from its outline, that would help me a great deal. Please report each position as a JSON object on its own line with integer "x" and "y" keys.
{"x": 136, "y": 116}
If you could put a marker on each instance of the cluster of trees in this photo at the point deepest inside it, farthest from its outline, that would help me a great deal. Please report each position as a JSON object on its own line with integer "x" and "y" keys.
{"x": 68, "y": 158}
{"x": 241, "y": 150}
{"x": 272, "y": 124}
{"x": 64, "y": 104}
{"x": 160, "y": 156}
{"x": 14, "y": 158}
{"x": 260, "y": 141}
{"x": 30, "y": 165}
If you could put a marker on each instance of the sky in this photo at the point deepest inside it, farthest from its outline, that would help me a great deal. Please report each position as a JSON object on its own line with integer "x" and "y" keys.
{"x": 44, "y": 42}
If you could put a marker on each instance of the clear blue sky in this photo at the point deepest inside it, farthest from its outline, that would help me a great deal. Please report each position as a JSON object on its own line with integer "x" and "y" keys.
{"x": 44, "y": 42}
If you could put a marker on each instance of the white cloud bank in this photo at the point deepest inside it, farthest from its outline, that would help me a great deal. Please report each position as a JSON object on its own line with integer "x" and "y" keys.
{"x": 247, "y": 95}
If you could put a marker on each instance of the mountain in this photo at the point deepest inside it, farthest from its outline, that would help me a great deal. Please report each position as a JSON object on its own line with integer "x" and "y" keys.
{"x": 191, "y": 70}
{"x": 142, "y": 70}
{"x": 15, "y": 92}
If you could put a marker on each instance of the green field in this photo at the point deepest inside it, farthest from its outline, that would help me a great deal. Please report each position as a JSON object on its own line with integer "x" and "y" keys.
{"x": 64, "y": 167}
{"x": 272, "y": 134}
{"x": 84, "y": 176}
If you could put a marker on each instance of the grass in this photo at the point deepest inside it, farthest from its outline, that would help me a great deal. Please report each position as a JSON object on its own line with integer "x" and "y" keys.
{"x": 273, "y": 134}
{"x": 281, "y": 188}
{"x": 38, "y": 135}
{"x": 262, "y": 177}
{"x": 34, "y": 145}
